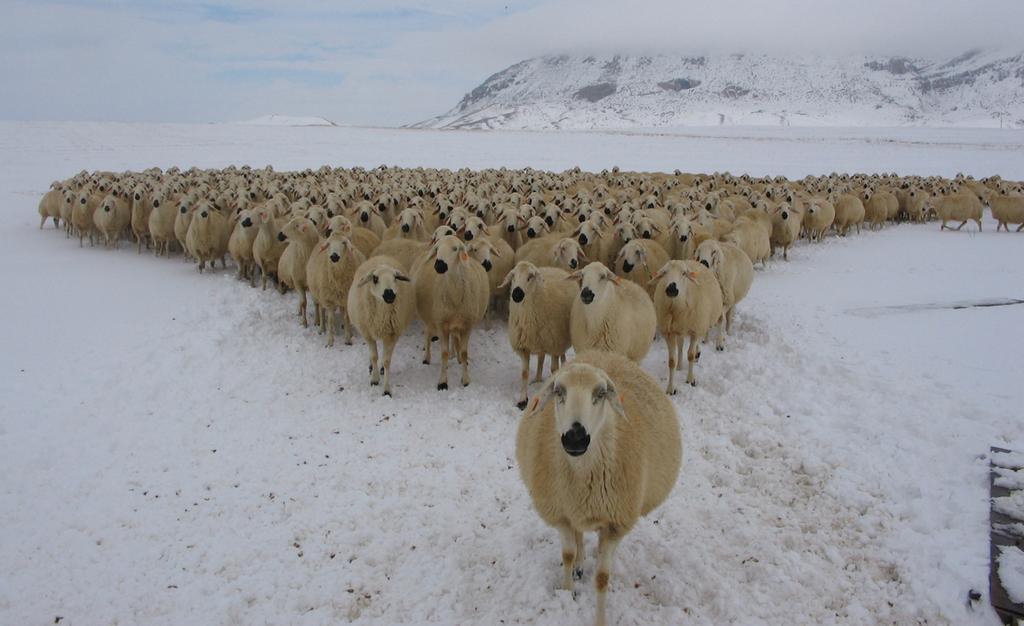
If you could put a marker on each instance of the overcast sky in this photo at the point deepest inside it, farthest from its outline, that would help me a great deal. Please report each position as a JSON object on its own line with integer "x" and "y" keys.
{"x": 389, "y": 63}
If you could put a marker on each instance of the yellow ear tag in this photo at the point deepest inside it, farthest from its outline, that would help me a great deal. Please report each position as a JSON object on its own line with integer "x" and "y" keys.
{"x": 464, "y": 257}
{"x": 618, "y": 280}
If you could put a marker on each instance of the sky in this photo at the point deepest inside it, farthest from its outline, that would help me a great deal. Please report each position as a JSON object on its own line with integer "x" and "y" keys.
{"x": 392, "y": 63}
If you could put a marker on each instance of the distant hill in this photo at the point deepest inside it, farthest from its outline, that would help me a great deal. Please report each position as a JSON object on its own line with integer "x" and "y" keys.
{"x": 978, "y": 88}
{"x": 287, "y": 120}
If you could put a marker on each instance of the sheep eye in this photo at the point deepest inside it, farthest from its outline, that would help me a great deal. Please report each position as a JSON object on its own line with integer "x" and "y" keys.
{"x": 375, "y": 280}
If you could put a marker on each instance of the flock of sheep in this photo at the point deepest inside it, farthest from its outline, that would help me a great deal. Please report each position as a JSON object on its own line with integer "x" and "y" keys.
{"x": 599, "y": 262}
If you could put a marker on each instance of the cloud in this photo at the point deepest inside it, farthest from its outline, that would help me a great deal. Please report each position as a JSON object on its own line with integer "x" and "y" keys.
{"x": 389, "y": 63}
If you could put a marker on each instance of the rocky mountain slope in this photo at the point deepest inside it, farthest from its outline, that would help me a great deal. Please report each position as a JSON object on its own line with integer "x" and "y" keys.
{"x": 977, "y": 88}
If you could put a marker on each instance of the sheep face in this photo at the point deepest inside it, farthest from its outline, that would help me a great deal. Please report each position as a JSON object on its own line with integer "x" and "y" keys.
{"x": 449, "y": 252}
{"x": 676, "y": 278}
{"x": 588, "y": 232}
{"x": 382, "y": 283}
{"x": 632, "y": 255}
{"x": 595, "y": 282}
{"x": 535, "y": 227}
{"x": 483, "y": 250}
{"x": 586, "y": 401}
{"x": 475, "y": 229}
{"x": 709, "y": 254}
{"x": 410, "y": 219}
{"x": 297, "y": 228}
{"x": 338, "y": 247}
{"x": 567, "y": 253}
{"x": 522, "y": 280}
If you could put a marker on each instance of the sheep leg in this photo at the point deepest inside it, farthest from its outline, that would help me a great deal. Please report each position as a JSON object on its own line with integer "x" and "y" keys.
{"x": 462, "y": 343}
{"x": 524, "y": 356}
{"x": 348, "y": 327}
{"x": 608, "y": 541}
{"x": 979, "y": 224}
{"x": 42, "y": 221}
{"x": 389, "y": 349}
{"x": 680, "y": 345}
{"x": 691, "y": 356}
{"x": 263, "y": 279}
{"x": 571, "y": 555}
{"x": 720, "y": 334}
{"x": 330, "y": 326}
{"x": 1019, "y": 228}
{"x": 302, "y": 306}
{"x": 671, "y": 341}
{"x": 426, "y": 344}
{"x": 318, "y": 317}
{"x": 442, "y": 383}
{"x": 540, "y": 368}
{"x": 961, "y": 225}
{"x": 728, "y": 321}
{"x": 374, "y": 371}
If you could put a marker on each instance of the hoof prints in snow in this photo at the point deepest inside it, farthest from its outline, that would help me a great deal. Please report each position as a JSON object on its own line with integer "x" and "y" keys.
{"x": 1007, "y": 534}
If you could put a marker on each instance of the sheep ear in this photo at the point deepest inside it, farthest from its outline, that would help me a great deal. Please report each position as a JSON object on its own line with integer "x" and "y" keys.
{"x": 494, "y": 250}
{"x": 365, "y": 279}
{"x": 657, "y": 275}
{"x": 577, "y": 276}
{"x": 323, "y": 246}
{"x": 463, "y": 256}
{"x": 616, "y": 399}
{"x": 402, "y": 277}
{"x": 543, "y": 397}
{"x": 507, "y": 279}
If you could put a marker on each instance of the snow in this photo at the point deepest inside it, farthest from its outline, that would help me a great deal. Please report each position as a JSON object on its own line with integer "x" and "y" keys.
{"x": 1011, "y": 572}
{"x": 175, "y": 448}
{"x": 288, "y": 120}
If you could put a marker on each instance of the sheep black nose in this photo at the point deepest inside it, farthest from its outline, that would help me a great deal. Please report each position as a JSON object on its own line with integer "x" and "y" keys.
{"x": 138, "y": 197}
{"x": 708, "y": 206}
{"x": 607, "y": 211}
{"x": 247, "y": 222}
{"x": 204, "y": 214}
{"x": 627, "y": 266}
{"x": 647, "y": 234}
{"x": 281, "y": 236}
{"x": 335, "y": 257}
{"x": 406, "y": 228}
{"x": 480, "y": 214}
{"x": 573, "y": 263}
{"x": 583, "y": 239}
{"x": 531, "y": 233}
{"x": 388, "y": 295}
{"x": 440, "y": 266}
{"x": 705, "y": 263}
{"x": 587, "y": 296}
{"x": 106, "y": 209}
{"x": 83, "y": 200}
{"x": 672, "y": 290}
{"x": 518, "y": 294}
{"x": 184, "y": 210}
{"x": 583, "y": 218}
{"x": 785, "y": 215}
{"x": 365, "y": 217}
{"x": 683, "y": 238}
{"x": 576, "y": 440}
{"x": 469, "y": 235}
{"x": 549, "y": 221}
{"x": 510, "y": 228}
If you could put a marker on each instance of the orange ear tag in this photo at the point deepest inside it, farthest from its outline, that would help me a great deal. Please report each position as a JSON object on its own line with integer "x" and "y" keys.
{"x": 323, "y": 246}
{"x": 618, "y": 280}
{"x": 464, "y": 257}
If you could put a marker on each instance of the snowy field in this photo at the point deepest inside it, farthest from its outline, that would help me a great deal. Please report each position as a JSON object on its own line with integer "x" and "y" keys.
{"x": 175, "y": 449}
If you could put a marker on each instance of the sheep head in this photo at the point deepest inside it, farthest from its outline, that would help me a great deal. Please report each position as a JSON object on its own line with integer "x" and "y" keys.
{"x": 586, "y": 400}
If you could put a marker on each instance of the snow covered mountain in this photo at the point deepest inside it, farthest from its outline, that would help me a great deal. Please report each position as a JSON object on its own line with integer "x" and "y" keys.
{"x": 978, "y": 88}
{"x": 288, "y": 120}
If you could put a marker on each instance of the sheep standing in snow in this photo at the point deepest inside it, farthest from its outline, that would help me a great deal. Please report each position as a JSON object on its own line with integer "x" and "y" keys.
{"x": 452, "y": 295}
{"x": 380, "y": 304}
{"x": 735, "y": 273}
{"x": 142, "y": 206}
{"x": 1007, "y": 210}
{"x": 207, "y": 236}
{"x": 538, "y": 317}
{"x": 110, "y": 220}
{"x": 497, "y": 259}
{"x": 301, "y": 235}
{"x": 959, "y": 207}
{"x": 611, "y": 314}
{"x": 786, "y": 222}
{"x": 240, "y": 245}
{"x": 599, "y": 449}
{"x": 688, "y": 301}
{"x": 818, "y": 218}
{"x": 49, "y": 205}
{"x": 268, "y": 246}
{"x": 638, "y": 260}
{"x": 330, "y": 271}
{"x": 752, "y": 234}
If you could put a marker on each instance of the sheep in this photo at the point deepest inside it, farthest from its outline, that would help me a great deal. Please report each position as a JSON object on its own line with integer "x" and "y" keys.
{"x": 240, "y": 245}
{"x": 409, "y": 225}
{"x": 1006, "y": 210}
{"x": 301, "y": 236}
{"x": 959, "y": 206}
{"x": 611, "y": 314}
{"x": 182, "y": 220}
{"x": 452, "y": 295}
{"x": 876, "y": 208}
{"x": 110, "y": 219}
{"x": 735, "y": 273}
{"x": 688, "y": 301}
{"x": 849, "y": 212}
{"x": 638, "y": 260}
{"x": 161, "y": 223}
{"x": 81, "y": 217}
{"x": 786, "y": 222}
{"x": 369, "y": 217}
{"x": 49, "y": 205}
{"x": 818, "y": 218}
{"x": 329, "y": 273}
{"x": 67, "y": 207}
{"x": 363, "y": 239}
{"x": 538, "y": 317}
{"x": 142, "y": 206}
{"x": 207, "y": 236}
{"x": 380, "y": 304}
{"x": 497, "y": 259}
{"x": 552, "y": 251}
{"x": 594, "y": 239}
{"x": 268, "y": 246}
{"x": 752, "y": 235}
{"x": 605, "y": 454}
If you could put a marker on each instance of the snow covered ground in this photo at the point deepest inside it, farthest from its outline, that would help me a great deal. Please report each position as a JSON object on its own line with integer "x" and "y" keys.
{"x": 174, "y": 448}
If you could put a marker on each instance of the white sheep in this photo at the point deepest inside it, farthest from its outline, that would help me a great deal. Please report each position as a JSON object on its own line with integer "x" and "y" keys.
{"x": 959, "y": 207}
{"x": 752, "y": 234}
{"x": 110, "y": 220}
{"x": 381, "y": 303}
{"x": 330, "y": 271}
{"x": 735, "y": 274}
{"x": 451, "y": 295}
{"x": 818, "y": 218}
{"x": 49, "y": 205}
{"x": 688, "y": 301}
{"x": 638, "y": 260}
{"x": 611, "y": 314}
{"x": 786, "y": 222}
{"x": 241, "y": 242}
{"x": 538, "y": 317}
{"x": 208, "y": 235}
{"x": 161, "y": 223}
{"x": 1007, "y": 209}
{"x": 301, "y": 235}
{"x": 268, "y": 246}
{"x": 497, "y": 259}
{"x": 606, "y": 452}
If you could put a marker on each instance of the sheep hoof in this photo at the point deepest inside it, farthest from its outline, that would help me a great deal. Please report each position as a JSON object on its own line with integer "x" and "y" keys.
{"x": 577, "y": 573}
{"x": 374, "y": 383}
{"x": 442, "y": 386}
{"x": 426, "y": 361}
{"x": 387, "y": 392}
{"x": 697, "y": 358}
{"x": 434, "y": 338}
{"x": 719, "y": 348}
{"x": 521, "y": 405}
{"x": 693, "y": 383}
